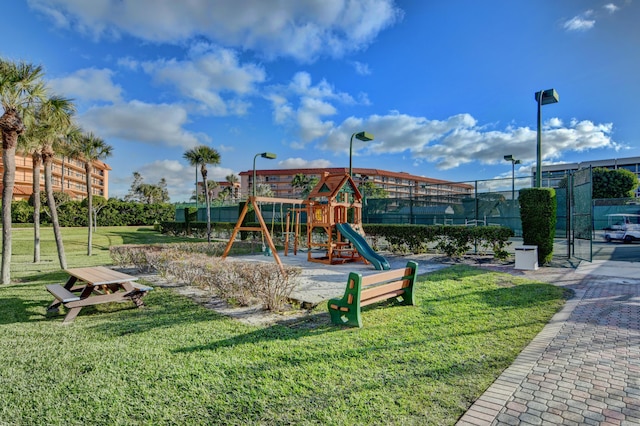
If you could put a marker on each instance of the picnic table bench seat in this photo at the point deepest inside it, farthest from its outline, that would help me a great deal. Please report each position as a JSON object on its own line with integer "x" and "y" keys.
{"x": 61, "y": 293}
{"x": 93, "y": 286}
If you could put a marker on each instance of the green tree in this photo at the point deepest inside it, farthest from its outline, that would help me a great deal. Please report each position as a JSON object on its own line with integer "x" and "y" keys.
{"x": 371, "y": 190}
{"x": 147, "y": 193}
{"x": 618, "y": 183}
{"x": 90, "y": 148}
{"x": 21, "y": 88}
{"x": 204, "y": 155}
{"x": 55, "y": 113}
{"x": 304, "y": 184}
{"x": 231, "y": 191}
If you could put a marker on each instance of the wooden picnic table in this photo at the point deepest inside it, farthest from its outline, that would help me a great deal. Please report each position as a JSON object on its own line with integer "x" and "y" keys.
{"x": 92, "y": 286}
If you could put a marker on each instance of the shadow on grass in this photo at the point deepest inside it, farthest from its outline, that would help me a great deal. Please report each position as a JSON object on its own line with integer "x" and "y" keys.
{"x": 20, "y": 310}
{"x": 312, "y": 325}
{"x": 163, "y": 309}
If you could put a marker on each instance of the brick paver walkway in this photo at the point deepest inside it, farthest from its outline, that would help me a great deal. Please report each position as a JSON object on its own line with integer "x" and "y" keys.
{"x": 583, "y": 368}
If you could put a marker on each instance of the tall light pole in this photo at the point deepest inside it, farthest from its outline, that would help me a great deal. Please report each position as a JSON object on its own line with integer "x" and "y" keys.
{"x": 364, "y": 137}
{"x": 543, "y": 97}
{"x": 270, "y": 156}
{"x": 513, "y": 173}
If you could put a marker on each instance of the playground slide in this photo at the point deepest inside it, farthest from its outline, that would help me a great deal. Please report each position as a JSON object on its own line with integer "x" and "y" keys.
{"x": 363, "y": 248}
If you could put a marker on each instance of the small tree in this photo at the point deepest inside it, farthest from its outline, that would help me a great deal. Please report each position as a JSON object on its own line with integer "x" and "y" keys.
{"x": 538, "y": 216}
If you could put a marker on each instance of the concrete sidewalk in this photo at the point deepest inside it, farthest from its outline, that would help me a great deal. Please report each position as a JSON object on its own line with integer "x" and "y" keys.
{"x": 584, "y": 367}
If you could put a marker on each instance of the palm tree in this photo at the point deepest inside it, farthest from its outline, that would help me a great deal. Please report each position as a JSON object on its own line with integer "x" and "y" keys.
{"x": 233, "y": 190}
{"x": 21, "y": 87}
{"x": 55, "y": 114}
{"x": 29, "y": 145}
{"x": 204, "y": 155}
{"x": 90, "y": 148}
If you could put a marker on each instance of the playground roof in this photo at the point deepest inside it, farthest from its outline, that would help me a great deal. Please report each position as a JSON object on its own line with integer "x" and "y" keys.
{"x": 330, "y": 185}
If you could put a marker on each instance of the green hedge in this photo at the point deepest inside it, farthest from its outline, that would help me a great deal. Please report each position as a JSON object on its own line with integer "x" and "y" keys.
{"x": 114, "y": 213}
{"x": 538, "y": 216}
{"x": 453, "y": 241}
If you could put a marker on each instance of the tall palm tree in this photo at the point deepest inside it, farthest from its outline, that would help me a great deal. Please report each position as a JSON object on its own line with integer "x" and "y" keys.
{"x": 204, "y": 155}
{"x": 55, "y": 114}
{"x": 21, "y": 87}
{"x": 90, "y": 148}
{"x": 29, "y": 145}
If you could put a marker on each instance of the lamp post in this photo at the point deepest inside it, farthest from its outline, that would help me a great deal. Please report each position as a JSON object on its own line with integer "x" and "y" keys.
{"x": 513, "y": 175}
{"x": 543, "y": 97}
{"x": 364, "y": 137}
{"x": 270, "y": 156}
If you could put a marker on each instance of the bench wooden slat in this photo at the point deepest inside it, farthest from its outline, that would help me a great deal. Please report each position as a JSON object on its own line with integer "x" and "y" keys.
{"x": 382, "y": 297}
{"x": 385, "y": 276}
{"x": 61, "y": 293}
{"x": 373, "y": 292}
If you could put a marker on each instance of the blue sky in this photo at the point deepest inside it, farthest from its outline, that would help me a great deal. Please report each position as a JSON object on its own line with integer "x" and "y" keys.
{"x": 445, "y": 86}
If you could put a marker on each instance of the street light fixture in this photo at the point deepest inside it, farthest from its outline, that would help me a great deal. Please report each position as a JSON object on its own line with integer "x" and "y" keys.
{"x": 543, "y": 97}
{"x": 364, "y": 137}
{"x": 513, "y": 175}
{"x": 270, "y": 156}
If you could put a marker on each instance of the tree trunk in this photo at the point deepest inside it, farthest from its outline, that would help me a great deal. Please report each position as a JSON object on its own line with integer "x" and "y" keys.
{"x": 37, "y": 163}
{"x": 47, "y": 157}
{"x": 87, "y": 171}
{"x": 10, "y": 126}
{"x": 207, "y": 202}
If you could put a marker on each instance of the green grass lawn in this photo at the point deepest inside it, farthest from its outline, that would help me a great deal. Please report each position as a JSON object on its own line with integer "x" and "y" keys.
{"x": 175, "y": 362}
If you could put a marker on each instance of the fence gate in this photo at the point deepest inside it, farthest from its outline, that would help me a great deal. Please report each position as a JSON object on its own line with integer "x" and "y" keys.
{"x": 581, "y": 215}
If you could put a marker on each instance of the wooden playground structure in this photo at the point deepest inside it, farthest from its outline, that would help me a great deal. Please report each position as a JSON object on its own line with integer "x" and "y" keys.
{"x": 335, "y": 200}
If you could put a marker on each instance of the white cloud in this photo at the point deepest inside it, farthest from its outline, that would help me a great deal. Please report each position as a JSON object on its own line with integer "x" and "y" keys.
{"x": 611, "y": 8}
{"x": 361, "y": 68}
{"x": 459, "y": 140}
{"x": 299, "y": 163}
{"x": 580, "y": 22}
{"x": 136, "y": 121}
{"x": 208, "y": 74}
{"x": 129, "y": 63}
{"x": 89, "y": 84}
{"x": 303, "y": 106}
{"x": 302, "y": 29}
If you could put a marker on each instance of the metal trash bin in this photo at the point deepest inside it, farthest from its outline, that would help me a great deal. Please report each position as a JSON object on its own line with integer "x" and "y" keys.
{"x": 527, "y": 258}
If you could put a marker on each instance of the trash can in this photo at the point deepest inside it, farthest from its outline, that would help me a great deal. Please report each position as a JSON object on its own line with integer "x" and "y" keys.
{"x": 527, "y": 257}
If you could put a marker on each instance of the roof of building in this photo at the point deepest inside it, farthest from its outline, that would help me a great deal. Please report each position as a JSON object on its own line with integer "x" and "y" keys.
{"x": 356, "y": 171}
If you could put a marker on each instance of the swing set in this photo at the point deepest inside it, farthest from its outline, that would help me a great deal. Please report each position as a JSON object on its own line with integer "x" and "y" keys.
{"x": 268, "y": 246}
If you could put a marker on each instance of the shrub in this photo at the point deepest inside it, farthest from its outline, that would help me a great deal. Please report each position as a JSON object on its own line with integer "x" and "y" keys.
{"x": 538, "y": 216}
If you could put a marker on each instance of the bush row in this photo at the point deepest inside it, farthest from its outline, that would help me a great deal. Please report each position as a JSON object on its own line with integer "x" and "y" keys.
{"x": 237, "y": 282}
{"x": 453, "y": 241}
{"x": 114, "y": 213}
